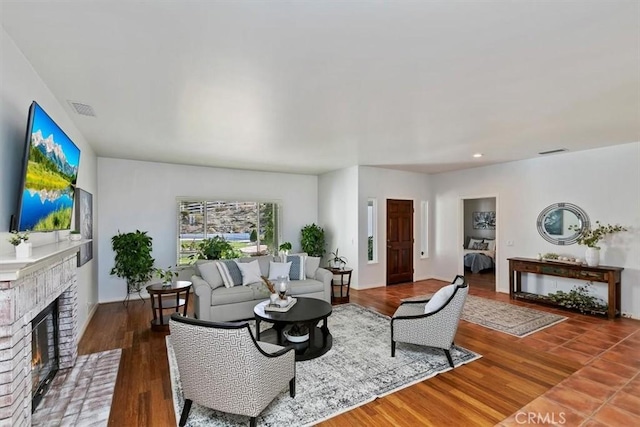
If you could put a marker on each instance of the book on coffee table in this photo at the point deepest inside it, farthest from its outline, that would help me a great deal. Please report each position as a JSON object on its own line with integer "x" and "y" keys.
{"x": 281, "y": 305}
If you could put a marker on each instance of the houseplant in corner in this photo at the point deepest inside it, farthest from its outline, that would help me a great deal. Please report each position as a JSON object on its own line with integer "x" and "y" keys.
{"x": 133, "y": 261}
{"x": 312, "y": 240}
{"x": 592, "y": 237}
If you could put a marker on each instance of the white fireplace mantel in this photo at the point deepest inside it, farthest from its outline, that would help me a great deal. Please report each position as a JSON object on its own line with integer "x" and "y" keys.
{"x": 12, "y": 268}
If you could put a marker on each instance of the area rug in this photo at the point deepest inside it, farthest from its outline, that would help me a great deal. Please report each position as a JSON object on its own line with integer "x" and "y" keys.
{"x": 358, "y": 369}
{"x": 82, "y": 395}
{"x": 508, "y": 318}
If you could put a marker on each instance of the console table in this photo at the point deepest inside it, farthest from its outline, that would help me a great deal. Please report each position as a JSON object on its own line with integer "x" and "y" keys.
{"x": 609, "y": 275}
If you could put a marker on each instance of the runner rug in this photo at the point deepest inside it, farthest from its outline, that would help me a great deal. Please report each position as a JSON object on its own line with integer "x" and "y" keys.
{"x": 358, "y": 369}
{"x": 503, "y": 317}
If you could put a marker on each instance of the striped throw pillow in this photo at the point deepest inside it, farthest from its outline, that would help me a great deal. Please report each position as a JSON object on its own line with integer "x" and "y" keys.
{"x": 230, "y": 272}
{"x": 297, "y": 267}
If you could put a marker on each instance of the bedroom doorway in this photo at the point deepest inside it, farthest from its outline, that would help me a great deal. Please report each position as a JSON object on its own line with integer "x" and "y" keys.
{"x": 479, "y": 236}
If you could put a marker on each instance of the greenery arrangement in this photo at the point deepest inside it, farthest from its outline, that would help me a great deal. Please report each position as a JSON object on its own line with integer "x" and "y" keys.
{"x": 285, "y": 246}
{"x": 312, "y": 240}
{"x": 216, "y": 248}
{"x": 337, "y": 260}
{"x": 17, "y": 237}
{"x": 166, "y": 276}
{"x": 592, "y": 236}
{"x": 579, "y": 298}
{"x": 133, "y": 261}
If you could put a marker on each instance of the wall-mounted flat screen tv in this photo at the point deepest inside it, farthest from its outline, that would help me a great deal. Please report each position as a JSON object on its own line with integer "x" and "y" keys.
{"x": 49, "y": 173}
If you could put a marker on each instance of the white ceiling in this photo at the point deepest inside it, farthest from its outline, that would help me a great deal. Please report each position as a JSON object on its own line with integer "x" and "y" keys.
{"x": 314, "y": 86}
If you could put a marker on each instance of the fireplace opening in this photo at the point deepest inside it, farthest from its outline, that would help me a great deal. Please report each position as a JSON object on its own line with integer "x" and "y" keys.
{"x": 44, "y": 352}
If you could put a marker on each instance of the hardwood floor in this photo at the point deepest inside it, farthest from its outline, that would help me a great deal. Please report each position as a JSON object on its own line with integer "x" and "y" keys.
{"x": 584, "y": 371}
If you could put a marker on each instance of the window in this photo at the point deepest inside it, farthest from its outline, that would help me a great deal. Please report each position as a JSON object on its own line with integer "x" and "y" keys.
{"x": 252, "y": 228}
{"x": 372, "y": 237}
{"x": 424, "y": 229}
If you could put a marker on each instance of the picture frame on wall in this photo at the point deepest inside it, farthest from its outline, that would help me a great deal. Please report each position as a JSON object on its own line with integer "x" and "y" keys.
{"x": 84, "y": 223}
{"x": 484, "y": 220}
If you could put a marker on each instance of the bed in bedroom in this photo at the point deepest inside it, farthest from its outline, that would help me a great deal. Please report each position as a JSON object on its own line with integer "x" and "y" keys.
{"x": 480, "y": 254}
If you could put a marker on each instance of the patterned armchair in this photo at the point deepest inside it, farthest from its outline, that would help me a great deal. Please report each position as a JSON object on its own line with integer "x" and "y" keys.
{"x": 432, "y": 322}
{"x": 223, "y": 367}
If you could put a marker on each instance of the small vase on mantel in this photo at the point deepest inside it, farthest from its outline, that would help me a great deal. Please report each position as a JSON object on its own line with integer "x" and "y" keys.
{"x": 23, "y": 250}
{"x": 592, "y": 257}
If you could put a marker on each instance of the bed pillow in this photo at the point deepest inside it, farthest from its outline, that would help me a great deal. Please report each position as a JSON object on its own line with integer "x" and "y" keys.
{"x": 297, "y": 267}
{"x": 311, "y": 266}
{"x": 480, "y": 246}
{"x": 277, "y": 269}
{"x": 472, "y": 241}
{"x": 491, "y": 244}
{"x": 250, "y": 272}
{"x": 439, "y": 299}
{"x": 230, "y": 272}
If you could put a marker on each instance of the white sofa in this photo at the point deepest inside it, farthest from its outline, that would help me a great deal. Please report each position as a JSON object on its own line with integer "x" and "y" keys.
{"x": 215, "y": 302}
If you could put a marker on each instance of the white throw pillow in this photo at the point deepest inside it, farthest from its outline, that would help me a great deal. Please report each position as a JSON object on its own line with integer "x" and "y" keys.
{"x": 311, "y": 265}
{"x": 210, "y": 274}
{"x": 491, "y": 244}
{"x": 277, "y": 269}
{"x": 439, "y": 299}
{"x": 250, "y": 272}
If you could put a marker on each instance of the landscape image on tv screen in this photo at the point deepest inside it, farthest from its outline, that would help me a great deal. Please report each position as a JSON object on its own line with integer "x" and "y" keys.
{"x": 51, "y": 173}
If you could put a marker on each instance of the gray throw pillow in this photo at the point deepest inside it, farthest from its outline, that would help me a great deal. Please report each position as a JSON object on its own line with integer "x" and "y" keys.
{"x": 311, "y": 266}
{"x": 210, "y": 274}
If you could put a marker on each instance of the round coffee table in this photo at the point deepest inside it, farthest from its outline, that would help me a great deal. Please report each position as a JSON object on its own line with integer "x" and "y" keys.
{"x": 307, "y": 312}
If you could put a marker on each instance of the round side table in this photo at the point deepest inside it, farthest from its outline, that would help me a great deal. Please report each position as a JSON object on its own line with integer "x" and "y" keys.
{"x": 158, "y": 293}
{"x": 340, "y": 290}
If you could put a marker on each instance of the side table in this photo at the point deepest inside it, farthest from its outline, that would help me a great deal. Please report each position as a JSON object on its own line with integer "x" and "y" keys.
{"x": 345, "y": 282}
{"x": 157, "y": 291}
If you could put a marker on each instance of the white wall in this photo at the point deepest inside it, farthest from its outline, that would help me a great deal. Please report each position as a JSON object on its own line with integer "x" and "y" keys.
{"x": 19, "y": 86}
{"x": 383, "y": 184}
{"x": 338, "y": 215}
{"x": 604, "y": 182}
{"x": 142, "y": 195}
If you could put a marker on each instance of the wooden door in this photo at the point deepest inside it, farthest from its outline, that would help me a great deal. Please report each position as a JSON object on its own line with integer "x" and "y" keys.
{"x": 399, "y": 241}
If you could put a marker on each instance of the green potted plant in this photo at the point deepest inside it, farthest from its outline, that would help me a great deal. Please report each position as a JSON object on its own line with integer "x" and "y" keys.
{"x": 591, "y": 237}
{"x": 20, "y": 243}
{"x": 337, "y": 261}
{"x": 74, "y": 235}
{"x": 215, "y": 248}
{"x": 284, "y": 248}
{"x": 165, "y": 276}
{"x": 133, "y": 261}
{"x": 312, "y": 240}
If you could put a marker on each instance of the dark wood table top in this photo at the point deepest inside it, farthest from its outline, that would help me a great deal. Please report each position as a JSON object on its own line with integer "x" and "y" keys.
{"x": 177, "y": 286}
{"x": 305, "y": 310}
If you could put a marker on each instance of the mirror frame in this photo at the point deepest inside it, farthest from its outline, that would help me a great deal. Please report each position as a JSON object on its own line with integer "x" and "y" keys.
{"x": 563, "y": 241}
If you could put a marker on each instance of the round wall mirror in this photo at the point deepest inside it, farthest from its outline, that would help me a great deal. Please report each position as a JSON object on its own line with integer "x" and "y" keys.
{"x": 562, "y": 223}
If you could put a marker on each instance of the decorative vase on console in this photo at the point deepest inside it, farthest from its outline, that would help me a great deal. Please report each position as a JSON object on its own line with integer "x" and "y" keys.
{"x": 592, "y": 236}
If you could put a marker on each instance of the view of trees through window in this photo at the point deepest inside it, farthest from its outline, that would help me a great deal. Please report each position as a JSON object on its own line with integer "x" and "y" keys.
{"x": 252, "y": 228}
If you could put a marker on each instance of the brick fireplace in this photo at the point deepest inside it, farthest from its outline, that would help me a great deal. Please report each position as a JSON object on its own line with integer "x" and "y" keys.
{"x": 21, "y": 300}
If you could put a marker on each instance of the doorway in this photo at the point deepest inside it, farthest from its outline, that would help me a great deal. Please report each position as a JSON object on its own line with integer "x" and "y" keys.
{"x": 479, "y": 228}
{"x": 399, "y": 241}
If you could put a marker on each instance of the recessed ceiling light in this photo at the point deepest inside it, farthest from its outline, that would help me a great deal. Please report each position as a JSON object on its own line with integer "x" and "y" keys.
{"x": 477, "y": 155}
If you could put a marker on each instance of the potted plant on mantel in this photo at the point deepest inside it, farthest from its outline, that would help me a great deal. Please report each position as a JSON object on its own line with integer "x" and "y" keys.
{"x": 20, "y": 242}
{"x": 592, "y": 236}
{"x": 133, "y": 261}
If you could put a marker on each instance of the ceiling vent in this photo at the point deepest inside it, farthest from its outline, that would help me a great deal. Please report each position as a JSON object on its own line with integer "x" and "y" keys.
{"x": 82, "y": 109}
{"x": 559, "y": 150}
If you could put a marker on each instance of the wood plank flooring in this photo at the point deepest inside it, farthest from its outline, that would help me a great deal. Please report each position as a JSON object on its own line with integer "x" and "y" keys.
{"x": 547, "y": 371}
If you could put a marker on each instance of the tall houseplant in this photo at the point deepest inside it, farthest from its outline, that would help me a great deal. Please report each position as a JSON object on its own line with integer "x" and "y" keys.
{"x": 312, "y": 240}
{"x": 133, "y": 261}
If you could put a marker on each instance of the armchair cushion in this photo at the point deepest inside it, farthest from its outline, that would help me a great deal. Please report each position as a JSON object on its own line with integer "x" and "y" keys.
{"x": 439, "y": 299}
